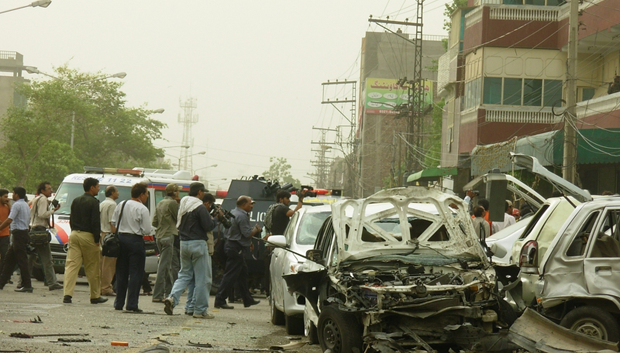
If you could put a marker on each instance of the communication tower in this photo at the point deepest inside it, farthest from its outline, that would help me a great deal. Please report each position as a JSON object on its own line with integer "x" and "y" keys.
{"x": 188, "y": 119}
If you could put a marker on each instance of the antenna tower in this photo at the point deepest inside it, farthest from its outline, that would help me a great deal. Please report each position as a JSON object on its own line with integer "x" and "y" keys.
{"x": 188, "y": 119}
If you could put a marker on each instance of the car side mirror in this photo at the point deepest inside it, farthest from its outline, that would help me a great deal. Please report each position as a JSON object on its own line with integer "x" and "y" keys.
{"x": 314, "y": 255}
{"x": 277, "y": 240}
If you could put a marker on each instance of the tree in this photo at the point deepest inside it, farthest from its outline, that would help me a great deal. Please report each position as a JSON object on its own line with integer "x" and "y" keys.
{"x": 433, "y": 154}
{"x": 107, "y": 133}
{"x": 280, "y": 171}
{"x": 449, "y": 10}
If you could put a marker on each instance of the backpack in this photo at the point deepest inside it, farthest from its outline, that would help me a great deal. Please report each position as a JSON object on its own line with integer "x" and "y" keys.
{"x": 268, "y": 223}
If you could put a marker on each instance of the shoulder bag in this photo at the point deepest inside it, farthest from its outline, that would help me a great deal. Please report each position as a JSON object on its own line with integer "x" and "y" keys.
{"x": 39, "y": 235}
{"x": 111, "y": 246}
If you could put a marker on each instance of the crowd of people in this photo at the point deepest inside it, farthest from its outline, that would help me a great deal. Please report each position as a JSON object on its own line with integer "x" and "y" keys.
{"x": 184, "y": 236}
{"x": 480, "y": 215}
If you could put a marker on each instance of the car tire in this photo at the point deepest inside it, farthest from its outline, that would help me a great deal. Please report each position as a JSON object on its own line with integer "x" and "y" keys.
{"x": 38, "y": 274}
{"x": 338, "y": 331}
{"x": 310, "y": 331}
{"x": 507, "y": 313}
{"x": 592, "y": 321}
{"x": 294, "y": 325}
{"x": 277, "y": 317}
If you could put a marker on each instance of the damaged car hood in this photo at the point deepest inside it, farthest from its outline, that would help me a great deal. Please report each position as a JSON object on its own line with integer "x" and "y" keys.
{"x": 413, "y": 220}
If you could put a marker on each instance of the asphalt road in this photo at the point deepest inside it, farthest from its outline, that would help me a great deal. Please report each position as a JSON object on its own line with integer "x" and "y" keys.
{"x": 240, "y": 329}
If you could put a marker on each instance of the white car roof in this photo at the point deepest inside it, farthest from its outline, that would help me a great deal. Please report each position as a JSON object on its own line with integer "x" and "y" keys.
{"x": 355, "y": 219}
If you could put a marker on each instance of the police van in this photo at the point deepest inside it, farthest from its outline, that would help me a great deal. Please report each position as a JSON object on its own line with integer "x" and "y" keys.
{"x": 123, "y": 179}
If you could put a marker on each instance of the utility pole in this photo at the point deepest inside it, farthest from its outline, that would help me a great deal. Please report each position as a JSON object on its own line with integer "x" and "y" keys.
{"x": 348, "y": 145}
{"x": 569, "y": 160}
{"x": 414, "y": 109}
{"x": 322, "y": 162}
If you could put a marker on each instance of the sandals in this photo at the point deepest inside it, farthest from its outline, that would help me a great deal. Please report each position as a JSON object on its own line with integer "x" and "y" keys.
{"x": 155, "y": 300}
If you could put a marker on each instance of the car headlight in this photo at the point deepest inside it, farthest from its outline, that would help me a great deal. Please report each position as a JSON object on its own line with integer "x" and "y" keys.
{"x": 295, "y": 267}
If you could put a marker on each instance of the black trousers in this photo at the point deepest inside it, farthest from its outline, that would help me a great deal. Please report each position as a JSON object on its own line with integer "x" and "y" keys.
{"x": 17, "y": 255}
{"x": 5, "y": 242}
{"x": 129, "y": 271}
{"x": 236, "y": 272}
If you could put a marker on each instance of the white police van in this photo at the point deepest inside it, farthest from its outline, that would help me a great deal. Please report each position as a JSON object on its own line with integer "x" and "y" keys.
{"x": 123, "y": 179}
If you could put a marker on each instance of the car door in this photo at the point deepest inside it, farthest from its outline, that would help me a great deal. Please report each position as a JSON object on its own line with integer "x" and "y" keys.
{"x": 602, "y": 265}
{"x": 280, "y": 263}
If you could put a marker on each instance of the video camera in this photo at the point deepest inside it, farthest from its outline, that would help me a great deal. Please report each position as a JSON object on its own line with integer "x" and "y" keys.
{"x": 272, "y": 188}
{"x": 225, "y": 219}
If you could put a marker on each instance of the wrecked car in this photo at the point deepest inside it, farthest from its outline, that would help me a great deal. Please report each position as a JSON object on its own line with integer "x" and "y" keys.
{"x": 401, "y": 270}
{"x": 579, "y": 284}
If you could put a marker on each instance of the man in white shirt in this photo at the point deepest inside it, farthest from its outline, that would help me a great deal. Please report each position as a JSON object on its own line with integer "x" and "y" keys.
{"x": 508, "y": 220}
{"x": 108, "y": 264}
{"x": 40, "y": 217}
{"x": 133, "y": 221}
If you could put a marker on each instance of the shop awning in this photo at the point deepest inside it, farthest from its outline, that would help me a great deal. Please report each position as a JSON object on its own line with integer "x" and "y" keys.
{"x": 431, "y": 174}
{"x": 593, "y": 146}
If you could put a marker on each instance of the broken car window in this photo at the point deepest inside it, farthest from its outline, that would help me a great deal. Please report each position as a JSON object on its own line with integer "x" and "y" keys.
{"x": 309, "y": 227}
{"x": 578, "y": 245}
{"x": 606, "y": 243}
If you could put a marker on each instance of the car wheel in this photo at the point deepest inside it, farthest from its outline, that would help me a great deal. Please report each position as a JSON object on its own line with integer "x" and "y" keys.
{"x": 277, "y": 317}
{"x": 338, "y": 331}
{"x": 37, "y": 273}
{"x": 311, "y": 332}
{"x": 294, "y": 325}
{"x": 592, "y": 321}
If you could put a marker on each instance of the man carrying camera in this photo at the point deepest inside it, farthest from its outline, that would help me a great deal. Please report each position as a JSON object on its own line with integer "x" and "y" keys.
{"x": 238, "y": 240}
{"x": 193, "y": 222}
{"x": 108, "y": 264}
{"x": 282, "y": 213}
{"x": 40, "y": 218}
{"x": 165, "y": 220}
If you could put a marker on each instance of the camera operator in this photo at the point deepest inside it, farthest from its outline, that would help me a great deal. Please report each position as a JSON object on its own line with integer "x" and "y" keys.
{"x": 239, "y": 239}
{"x": 282, "y": 214}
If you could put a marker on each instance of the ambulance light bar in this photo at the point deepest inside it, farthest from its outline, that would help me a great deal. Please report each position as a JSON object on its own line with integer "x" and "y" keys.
{"x": 100, "y": 170}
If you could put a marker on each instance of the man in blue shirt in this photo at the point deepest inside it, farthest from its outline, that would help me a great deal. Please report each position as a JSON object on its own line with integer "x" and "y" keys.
{"x": 18, "y": 220}
{"x": 238, "y": 240}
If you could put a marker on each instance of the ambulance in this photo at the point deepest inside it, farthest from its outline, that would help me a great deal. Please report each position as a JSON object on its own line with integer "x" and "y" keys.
{"x": 123, "y": 179}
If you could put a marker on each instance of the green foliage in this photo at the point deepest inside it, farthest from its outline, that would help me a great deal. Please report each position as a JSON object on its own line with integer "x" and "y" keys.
{"x": 280, "y": 170}
{"x": 433, "y": 155}
{"x": 107, "y": 133}
{"x": 449, "y": 10}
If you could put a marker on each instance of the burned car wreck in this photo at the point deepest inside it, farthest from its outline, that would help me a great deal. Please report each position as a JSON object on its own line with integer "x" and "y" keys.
{"x": 401, "y": 271}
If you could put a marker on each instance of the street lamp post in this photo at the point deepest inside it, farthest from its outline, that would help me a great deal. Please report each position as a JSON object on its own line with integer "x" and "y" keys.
{"x": 40, "y": 3}
{"x": 34, "y": 70}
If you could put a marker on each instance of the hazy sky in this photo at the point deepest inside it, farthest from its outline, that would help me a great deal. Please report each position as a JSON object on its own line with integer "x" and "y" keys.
{"x": 255, "y": 67}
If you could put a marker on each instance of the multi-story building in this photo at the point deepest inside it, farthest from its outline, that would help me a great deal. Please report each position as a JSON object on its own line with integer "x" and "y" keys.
{"x": 11, "y": 66}
{"x": 386, "y": 58}
{"x": 504, "y": 72}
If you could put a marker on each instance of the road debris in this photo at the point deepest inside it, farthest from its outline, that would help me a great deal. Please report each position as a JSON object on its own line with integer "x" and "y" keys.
{"x": 289, "y": 346}
{"x": 119, "y": 343}
{"x": 170, "y": 334}
{"x": 536, "y": 333}
{"x": 198, "y": 344}
{"x": 25, "y": 335}
{"x": 163, "y": 341}
{"x": 160, "y": 348}
{"x": 36, "y": 320}
{"x": 73, "y": 340}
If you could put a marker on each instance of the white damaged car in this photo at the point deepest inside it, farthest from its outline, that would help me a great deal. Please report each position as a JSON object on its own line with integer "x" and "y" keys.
{"x": 401, "y": 271}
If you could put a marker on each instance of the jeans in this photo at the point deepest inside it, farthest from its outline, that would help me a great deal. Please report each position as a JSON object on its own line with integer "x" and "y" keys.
{"x": 129, "y": 271}
{"x": 17, "y": 255}
{"x": 194, "y": 261}
{"x": 236, "y": 272}
{"x": 168, "y": 263}
{"x": 190, "y": 306}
